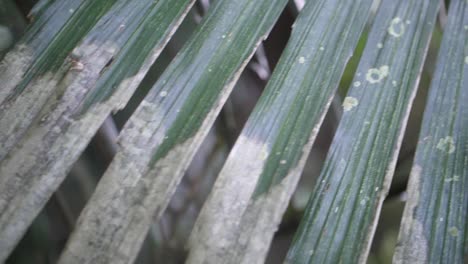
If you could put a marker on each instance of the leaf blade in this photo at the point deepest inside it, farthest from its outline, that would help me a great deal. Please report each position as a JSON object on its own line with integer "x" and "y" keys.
{"x": 52, "y": 139}
{"x": 256, "y": 183}
{"x": 161, "y": 137}
{"x": 341, "y": 215}
{"x": 434, "y": 223}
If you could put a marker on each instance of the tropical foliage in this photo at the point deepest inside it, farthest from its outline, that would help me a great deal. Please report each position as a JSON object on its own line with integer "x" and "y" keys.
{"x": 129, "y": 129}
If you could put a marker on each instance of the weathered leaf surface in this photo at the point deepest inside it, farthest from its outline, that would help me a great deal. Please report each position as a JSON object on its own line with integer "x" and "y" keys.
{"x": 162, "y": 136}
{"x": 434, "y": 225}
{"x": 28, "y": 71}
{"x": 48, "y": 23}
{"x": 340, "y": 218}
{"x": 245, "y": 208}
{"x": 63, "y": 98}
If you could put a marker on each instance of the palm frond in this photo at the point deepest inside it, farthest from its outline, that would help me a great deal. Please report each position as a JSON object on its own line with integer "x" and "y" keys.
{"x": 433, "y": 228}
{"x": 161, "y": 137}
{"x": 80, "y": 61}
{"x": 257, "y": 181}
{"x": 342, "y": 213}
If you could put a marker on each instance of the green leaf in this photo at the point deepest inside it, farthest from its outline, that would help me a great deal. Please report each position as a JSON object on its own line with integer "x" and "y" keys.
{"x": 434, "y": 225}
{"x": 48, "y": 118}
{"x": 257, "y": 181}
{"x": 341, "y": 216}
{"x": 161, "y": 137}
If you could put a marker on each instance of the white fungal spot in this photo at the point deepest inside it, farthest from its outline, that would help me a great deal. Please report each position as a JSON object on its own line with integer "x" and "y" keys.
{"x": 441, "y": 219}
{"x": 375, "y": 75}
{"x": 466, "y": 27}
{"x": 363, "y": 201}
{"x": 446, "y": 144}
{"x": 223, "y": 36}
{"x": 453, "y": 231}
{"x": 301, "y": 60}
{"x": 357, "y": 83}
{"x": 71, "y": 10}
{"x": 349, "y": 103}
{"x": 56, "y": 129}
{"x": 336, "y": 209}
{"x": 163, "y": 93}
{"x": 376, "y": 189}
{"x": 455, "y": 179}
{"x": 394, "y": 83}
{"x": 408, "y": 22}
{"x": 379, "y": 45}
{"x": 321, "y": 48}
{"x": 466, "y": 60}
{"x": 283, "y": 162}
{"x": 396, "y": 28}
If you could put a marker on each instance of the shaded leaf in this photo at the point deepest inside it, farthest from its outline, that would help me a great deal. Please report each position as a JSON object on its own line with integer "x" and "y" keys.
{"x": 340, "y": 218}
{"x": 434, "y": 224}
{"x": 249, "y": 198}
{"x": 161, "y": 137}
{"x": 45, "y": 110}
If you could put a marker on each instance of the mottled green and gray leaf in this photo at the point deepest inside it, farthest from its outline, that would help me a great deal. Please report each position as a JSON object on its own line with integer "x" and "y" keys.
{"x": 434, "y": 225}
{"x": 341, "y": 216}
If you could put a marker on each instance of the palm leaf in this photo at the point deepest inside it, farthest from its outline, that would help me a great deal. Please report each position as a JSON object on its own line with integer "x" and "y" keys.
{"x": 79, "y": 61}
{"x": 341, "y": 216}
{"x": 160, "y": 139}
{"x": 51, "y": 101}
{"x": 258, "y": 179}
{"x": 433, "y": 229}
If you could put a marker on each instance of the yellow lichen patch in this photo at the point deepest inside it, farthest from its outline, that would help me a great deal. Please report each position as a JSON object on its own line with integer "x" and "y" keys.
{"x": 264, "y": 153}
{"x": 453, "y": 231}
{"x": 446, "y": 144}
{"x": 349, "y": 103}
{"x": 375, "y": 75}
{"x": 396, "y": 28}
